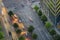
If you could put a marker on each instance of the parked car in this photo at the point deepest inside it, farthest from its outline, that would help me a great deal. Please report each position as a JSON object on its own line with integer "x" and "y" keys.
{"x": 10, "y": 34}
{"x": 33, "y": 1}
{"x": 30, "y": 19}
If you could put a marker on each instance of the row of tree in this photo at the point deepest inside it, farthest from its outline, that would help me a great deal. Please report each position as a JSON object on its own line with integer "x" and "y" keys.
{"x": 47, "y": 24}
{"x": 39, "y": 12}
{"x": 30, "y": 30}
{"x": 18, "y": 31}
{"x": 16, "y": 27}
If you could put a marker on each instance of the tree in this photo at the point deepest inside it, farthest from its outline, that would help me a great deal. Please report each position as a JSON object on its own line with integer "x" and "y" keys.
{"x": 34, "y": 36}
{"x": 21, "y": 38}
{"x": 43, "y": 18}
{"x": 1, "y": 35}
{"x": 48, "y": 25}
{"x": 36, "y": 8}
{"x": 15, "y": 25}
{"x": 0, "y": 28}
{"x": 57, "y": 37}
{"x": 30, "y": 29}
{"x": 52, "y": 32}
{"x": 18, "y": 31}
{"x": 40, "y": 13}
{"x": 10, "y": 13}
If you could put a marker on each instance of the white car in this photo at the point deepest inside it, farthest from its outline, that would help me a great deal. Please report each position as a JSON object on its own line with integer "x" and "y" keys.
{"x": 19, "y": 20}
{"x": 30, "y": 19}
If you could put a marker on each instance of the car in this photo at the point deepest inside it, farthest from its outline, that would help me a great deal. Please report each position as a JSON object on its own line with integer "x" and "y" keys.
{"x": 10, "y": 34}
{"x": 30, "y": 19}
{"x": 33, "y": 1}
{"x": 20, "y": 21}
{"x": 22, "y": 5}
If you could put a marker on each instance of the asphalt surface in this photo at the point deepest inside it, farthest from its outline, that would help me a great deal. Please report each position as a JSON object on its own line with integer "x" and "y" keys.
{"x": 23, "y": 9}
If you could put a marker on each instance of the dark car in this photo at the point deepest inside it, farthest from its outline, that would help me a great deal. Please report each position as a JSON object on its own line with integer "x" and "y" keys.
{"x": 10, "y": 34}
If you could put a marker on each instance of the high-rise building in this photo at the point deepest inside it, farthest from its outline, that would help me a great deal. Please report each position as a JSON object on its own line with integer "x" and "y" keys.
{"x": 53, "y": 7}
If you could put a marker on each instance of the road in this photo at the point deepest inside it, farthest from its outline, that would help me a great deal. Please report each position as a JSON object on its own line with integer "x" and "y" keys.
{"x": 25, "y": 12}
{"x": 39, "y": 28}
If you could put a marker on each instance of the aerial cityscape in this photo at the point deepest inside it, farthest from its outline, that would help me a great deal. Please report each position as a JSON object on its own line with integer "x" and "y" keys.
{"x": 29, "y": 19}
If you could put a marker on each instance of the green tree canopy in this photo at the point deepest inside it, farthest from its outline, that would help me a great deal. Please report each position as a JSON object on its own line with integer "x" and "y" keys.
{"x": 10, "y": 13}
{"x": 0, "y": 28}
{"x": 52, "y": 32}
{"x": 34, "y": 36}
{"x": 30, "y": 29}
{"x": 48, "y": 24}
{"x": 21, "y": 38}
{"x": 40, "y": 13}
{"x": 44, "y": 18}
{"x": 57, "y": 37}
{"x": 1, "y": 35}
{"x": 36, "y": 8}
{"x": 18, "y": 31}
{"x": 15, "y": 25}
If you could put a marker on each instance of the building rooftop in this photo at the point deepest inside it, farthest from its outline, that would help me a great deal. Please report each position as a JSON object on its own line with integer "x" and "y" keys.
{"x": 54, "y": 6}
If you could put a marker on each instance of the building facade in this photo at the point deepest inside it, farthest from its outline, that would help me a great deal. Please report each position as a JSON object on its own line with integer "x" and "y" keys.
{"x": 53, "y": 7}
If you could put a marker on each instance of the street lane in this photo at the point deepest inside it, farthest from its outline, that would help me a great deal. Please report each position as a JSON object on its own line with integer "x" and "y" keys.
{"x": 26, "y": 12}
{"x": 36, "y": 23}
